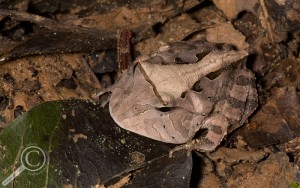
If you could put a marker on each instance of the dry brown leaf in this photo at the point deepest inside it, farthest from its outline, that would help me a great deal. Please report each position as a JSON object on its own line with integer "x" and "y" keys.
{"x": 226, "y": 33}
{"x": 231, "y": 8}
{"x": 174, "y": 30}
{"x": 277, "y": 121}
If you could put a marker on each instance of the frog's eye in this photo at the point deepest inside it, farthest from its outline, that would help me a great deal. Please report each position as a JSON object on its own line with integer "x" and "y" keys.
{"x": 196, "y": 87}
{"x": 201, "y": 132}
{"x": 165, "y": 109}
{"x": 178, "y": 60}
{"x": 201, "y": 55}
{"x": 214, "y": 75}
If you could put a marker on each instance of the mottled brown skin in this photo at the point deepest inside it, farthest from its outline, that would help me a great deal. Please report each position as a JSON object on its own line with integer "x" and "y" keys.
{"x": 234, "y": 95}
{"x": 217, "y": 93}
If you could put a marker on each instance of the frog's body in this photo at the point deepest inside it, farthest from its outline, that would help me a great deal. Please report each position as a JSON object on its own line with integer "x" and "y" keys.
{"x": 159, "y": 99}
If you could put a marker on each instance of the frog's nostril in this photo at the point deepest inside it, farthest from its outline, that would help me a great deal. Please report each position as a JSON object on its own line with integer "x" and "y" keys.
{"x": 183, "y": 94}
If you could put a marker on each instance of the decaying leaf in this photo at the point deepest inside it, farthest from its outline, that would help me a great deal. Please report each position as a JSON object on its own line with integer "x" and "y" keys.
{"x": 277, "y": 121}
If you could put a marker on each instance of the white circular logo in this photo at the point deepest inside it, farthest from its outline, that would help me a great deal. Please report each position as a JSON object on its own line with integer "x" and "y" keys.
{"x": 33, "y": 158}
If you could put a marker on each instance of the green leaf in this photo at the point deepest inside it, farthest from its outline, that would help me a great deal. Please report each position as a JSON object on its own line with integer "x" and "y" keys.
{"x": 83, "y": 147}
{"x": 26, "y": 131}
{"x": 294, "y": 185}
